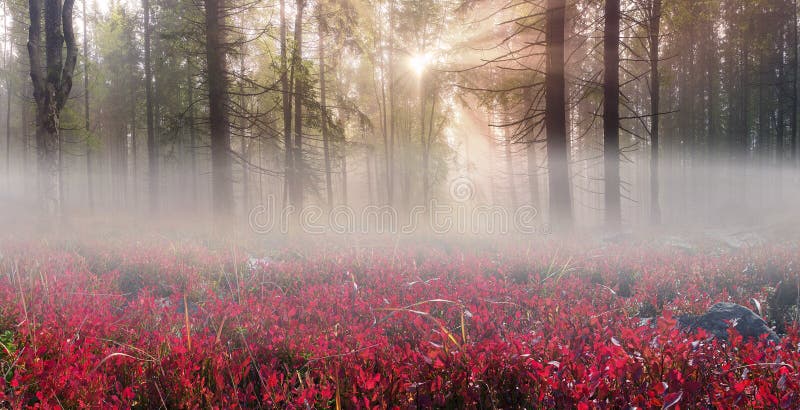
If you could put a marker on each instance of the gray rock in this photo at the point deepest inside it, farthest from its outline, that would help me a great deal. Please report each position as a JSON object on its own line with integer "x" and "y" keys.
{"x": 723, "y": 315}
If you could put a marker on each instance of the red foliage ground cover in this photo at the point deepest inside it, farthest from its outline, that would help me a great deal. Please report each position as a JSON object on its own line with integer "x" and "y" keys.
{"x": 182, "y": 326}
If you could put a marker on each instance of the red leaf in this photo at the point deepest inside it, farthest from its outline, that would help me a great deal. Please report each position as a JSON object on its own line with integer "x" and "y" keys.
{"x": 661, "y": 388}
{"x": 370, "y": 384}
{"x": 672, "y": 399}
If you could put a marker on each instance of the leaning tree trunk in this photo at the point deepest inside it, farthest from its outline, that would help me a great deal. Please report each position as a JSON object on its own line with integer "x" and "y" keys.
{"x": 52, "y": 84}
{"x": 611, "y": 115}
{"x": 556, "y": 117}
{"x": 219, "y": 123}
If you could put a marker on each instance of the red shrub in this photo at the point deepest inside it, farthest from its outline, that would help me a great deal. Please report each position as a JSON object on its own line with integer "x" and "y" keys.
{"x": 106, "y": 326}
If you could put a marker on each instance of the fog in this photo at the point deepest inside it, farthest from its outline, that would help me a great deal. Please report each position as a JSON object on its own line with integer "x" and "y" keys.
{"x": 482, "y": 199}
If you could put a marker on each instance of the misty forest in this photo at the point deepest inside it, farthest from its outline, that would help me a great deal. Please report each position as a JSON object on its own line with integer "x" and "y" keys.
{"x": 401, "y": 204}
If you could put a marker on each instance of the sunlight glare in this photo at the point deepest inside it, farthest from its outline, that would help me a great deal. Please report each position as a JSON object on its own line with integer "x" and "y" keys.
{"x": 419, "y": 62}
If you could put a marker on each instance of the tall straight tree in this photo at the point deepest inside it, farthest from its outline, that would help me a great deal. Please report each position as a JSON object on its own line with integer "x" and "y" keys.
{"x": 134, "y": 149}
{"x": 86, "y": 124}
{"x": 286, "y": 105}
{"x": 613, "y": 210}
{"x": 299, "y": 92}
{"x": 7, "y": 54}
{"x": 52, "y": 84}
{"x": 533, "y": 170}
{"x": 508, "y": 140}
{"x": 384, "y": 120}
{"x": 654, "y": 37}
{"x": 795, "y": 155}
{"x": 556, "y": 116}
{"x": 152, "y": 148}
{"x": 392, "y": 107}
{"x": 323, "y": 106}
{"x": 192, "y": 131}
{"x": 219, "y": 123}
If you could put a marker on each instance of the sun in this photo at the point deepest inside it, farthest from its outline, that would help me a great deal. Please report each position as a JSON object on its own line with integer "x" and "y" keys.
{"x": 419, "y": 62}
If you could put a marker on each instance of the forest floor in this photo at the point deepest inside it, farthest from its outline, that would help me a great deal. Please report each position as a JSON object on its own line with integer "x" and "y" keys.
{"x": 182, "y": 324}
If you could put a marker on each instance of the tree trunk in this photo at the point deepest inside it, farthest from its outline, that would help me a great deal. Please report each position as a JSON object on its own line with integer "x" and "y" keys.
{"x": 368, "y": 154}
{"x": 743, "y": 144}
{"x": 244, "y": 142}
{"x": 219, "y": 125}
{"x": 779, "y": 135}
{"x": 613, "y": 210}
{"x": 794, "y": 67}
{"x": 50, "y": 91}
{"x": 385, "y": 133}
{"x": 152, "y": 147}
{"x": 122, "y": 165}
{"x": 423, "y": 141}
{"x": 392, "y": 171}
{"x": 286, "y": 105}
{"x": 404, "y": 136}
{"x": 556, "y": 117}
{"x": 134, "y": 145}
{"x": 324, "y": 110}
{"x": 533, "y": 172}
{"x": 427, "y": 137}
{"x": 384, "y": 111}
{"x": 6, "y": 56}
{"x": 86, "y": 125}
{"x": 780, "y": 121}
{"x": 192, "y": 136}
{"x": 732, "y": 88}
{"x": 26, "y": 142}
{"x": 299, "y": 92}
{"x": 509, "y": 158}
{"x": 343, "y": 149}
{"x": 8, "y": 132}
{"x": 710, "y": 46}
{"x": 60, "y": 162}
{"x": 655, "y": 97}
{"x": 763, "y": 111}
